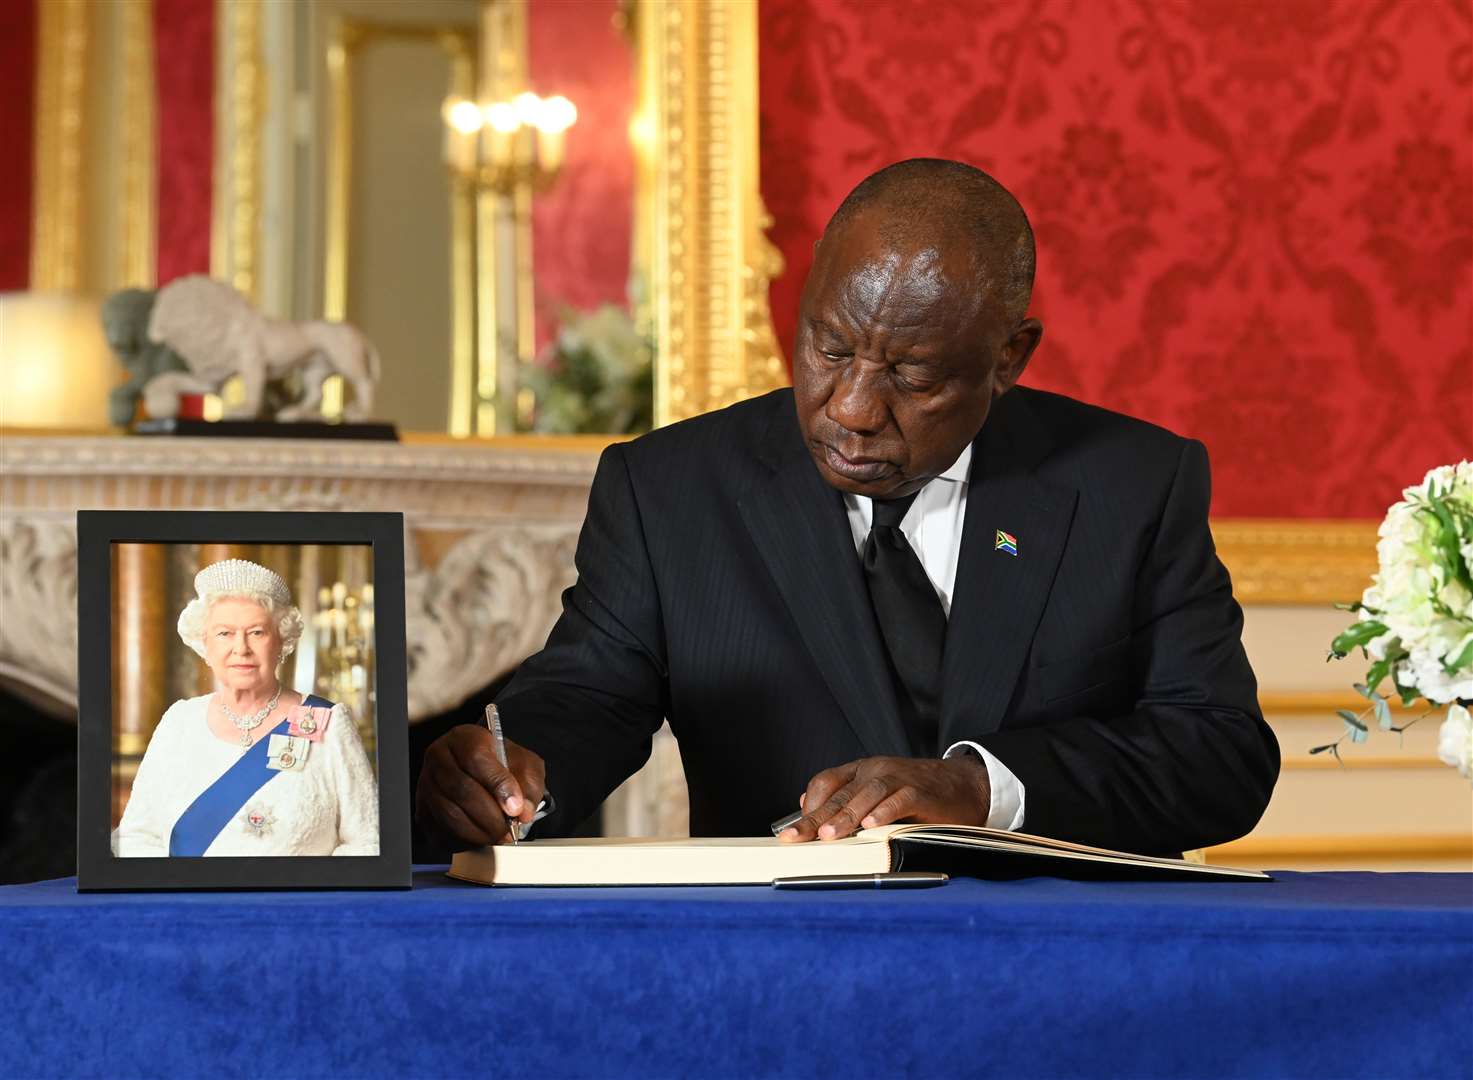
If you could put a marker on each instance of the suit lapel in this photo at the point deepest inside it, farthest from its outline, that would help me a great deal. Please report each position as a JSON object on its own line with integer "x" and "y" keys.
{"x": 998, "y": 598}
{"x": 799, "y": 526}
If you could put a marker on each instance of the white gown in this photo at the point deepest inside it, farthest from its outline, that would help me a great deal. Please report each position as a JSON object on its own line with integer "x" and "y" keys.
{"x": 328, "y": 807}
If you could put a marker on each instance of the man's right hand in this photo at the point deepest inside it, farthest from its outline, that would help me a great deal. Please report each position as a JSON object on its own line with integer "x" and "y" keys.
{"x": 466, "y": 798}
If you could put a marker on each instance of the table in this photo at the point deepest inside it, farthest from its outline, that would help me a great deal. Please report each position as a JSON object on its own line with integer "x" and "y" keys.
{"x": 1325, "y": 975}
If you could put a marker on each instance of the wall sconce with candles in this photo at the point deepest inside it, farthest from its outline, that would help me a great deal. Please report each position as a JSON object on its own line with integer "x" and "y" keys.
{"x": 503, "y": 146}
{"x": 501, "y": 152}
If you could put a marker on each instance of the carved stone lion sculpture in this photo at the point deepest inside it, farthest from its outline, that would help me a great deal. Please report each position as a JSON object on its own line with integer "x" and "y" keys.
{"x": 217, "y": 334}
{"x": 125, "y": 316}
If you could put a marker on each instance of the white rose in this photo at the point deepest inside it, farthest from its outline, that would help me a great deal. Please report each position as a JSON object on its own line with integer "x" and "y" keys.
{"x": 1443, "y": 476}
{"x": 1456, "y": 597}
{"x": 1455, "y": 741}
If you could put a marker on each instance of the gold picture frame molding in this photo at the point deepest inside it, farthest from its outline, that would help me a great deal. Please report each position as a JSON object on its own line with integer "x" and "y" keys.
{"x": 240, "y": 117}
{"x": 1297, "y": 561}
{"x": 701, "y": 240}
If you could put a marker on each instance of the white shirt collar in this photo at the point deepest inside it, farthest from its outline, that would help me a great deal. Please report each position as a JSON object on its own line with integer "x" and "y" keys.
{"x": 960, "y": 468}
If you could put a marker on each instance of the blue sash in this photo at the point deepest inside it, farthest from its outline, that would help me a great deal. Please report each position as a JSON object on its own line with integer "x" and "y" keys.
{"x": 218, "y": 804}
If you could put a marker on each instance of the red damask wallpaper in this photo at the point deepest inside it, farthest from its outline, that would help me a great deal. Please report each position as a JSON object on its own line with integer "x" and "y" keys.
{"x": 184, "y": 44}
{"x": 17, "y": 123}
{"x": 582, "y": 227}
{"x": 1254, "y": 217}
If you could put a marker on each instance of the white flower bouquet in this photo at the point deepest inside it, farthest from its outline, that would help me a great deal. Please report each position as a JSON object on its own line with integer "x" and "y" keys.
{"x": 1415, "y": 621}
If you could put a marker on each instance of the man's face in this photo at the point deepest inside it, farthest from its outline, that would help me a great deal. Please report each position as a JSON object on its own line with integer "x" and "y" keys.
{"x": 900, "y": 351}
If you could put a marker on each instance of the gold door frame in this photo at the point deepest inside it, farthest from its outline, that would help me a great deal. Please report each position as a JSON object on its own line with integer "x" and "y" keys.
{"x": 700, "y": 239}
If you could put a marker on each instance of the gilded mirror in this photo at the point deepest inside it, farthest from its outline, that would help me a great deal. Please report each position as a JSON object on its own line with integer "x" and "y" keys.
{"x": 518, "y": 269}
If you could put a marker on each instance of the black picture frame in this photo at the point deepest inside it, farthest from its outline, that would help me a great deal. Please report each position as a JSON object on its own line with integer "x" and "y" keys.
{"x": 98, "y": 869}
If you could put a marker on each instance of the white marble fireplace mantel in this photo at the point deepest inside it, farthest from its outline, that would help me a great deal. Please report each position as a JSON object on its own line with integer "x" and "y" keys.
{"x": 490, "y": 530}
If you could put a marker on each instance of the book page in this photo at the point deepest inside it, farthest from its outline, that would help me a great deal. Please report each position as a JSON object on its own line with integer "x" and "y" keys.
{"x": 668, "y": 861}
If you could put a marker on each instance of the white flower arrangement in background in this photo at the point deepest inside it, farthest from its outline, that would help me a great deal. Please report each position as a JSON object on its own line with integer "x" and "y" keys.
{"x": 596, "y": 377}
{"x": 1415, "y": 620}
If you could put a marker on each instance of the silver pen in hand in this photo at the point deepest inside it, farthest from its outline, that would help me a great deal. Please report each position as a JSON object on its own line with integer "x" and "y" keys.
{"x": 548, "y": 803}
{"x": 493, "y": 724}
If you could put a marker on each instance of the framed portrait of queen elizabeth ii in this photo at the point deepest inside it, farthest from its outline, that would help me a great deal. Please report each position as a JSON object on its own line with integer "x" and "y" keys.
{"x": 242, "y": 705}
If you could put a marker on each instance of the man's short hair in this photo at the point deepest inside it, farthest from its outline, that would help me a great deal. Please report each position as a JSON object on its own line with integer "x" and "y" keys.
{"x": 927, "y": 198}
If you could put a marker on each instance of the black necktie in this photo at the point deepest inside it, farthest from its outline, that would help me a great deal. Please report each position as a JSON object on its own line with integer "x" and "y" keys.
{"x": 911, "y": 620}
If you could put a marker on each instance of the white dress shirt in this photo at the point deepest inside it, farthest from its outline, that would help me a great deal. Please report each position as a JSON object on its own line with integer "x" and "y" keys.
{"x": 933, "y": 526}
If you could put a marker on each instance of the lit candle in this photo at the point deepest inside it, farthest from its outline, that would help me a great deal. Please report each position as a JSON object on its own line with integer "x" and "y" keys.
{"x": 502, "y": 123}
{"x": 462, "y": 122}
{"x": 556, "y": 115}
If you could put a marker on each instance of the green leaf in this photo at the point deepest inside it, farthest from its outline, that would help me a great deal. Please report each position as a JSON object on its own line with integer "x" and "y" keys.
{"x": 1462, "y": 660}
{"x": 1383, "y": 713}
{"x": 1377, "y": 675}
{"x": 1356, "y": 635}
{"x": 1351, "y": 720}
{"x": 1322, "y": 749}
{"x": 1408, "y": 694}
{"x": 1447, "y": 540}
{"x": 1357, "y": 606}
{"x": 1357, "y": 732}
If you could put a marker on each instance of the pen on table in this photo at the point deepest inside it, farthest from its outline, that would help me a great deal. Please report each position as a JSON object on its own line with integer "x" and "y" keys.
{"x": 493, "y": 724}
{"x": 899, "y": 879}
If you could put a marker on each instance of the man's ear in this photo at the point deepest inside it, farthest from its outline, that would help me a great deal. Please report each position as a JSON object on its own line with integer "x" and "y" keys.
{"x": 1016, "y": 352}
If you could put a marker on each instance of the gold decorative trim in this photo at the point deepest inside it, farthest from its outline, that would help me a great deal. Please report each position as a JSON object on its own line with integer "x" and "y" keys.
{"x": 342, "y": 39}
{"x": 488, "y": 344}
{"x": 1354, "y": 760}
{"x": 1325, "y": 702}
{"x": 345, "y": 37}
{"x": 1278, "y": 561}
{"x": 1370, "y": 846}
{"x": 709, "y": 262}
{"x": 137, "y": 252}
{"x": 56, "y": 224}
{"x": 240, "y": 116}
{"x": 506, "y": 312}
{"x": 462, "y": 260}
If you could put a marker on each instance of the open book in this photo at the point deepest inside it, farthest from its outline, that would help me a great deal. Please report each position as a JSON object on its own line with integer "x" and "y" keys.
{"x": 961, "y": 850}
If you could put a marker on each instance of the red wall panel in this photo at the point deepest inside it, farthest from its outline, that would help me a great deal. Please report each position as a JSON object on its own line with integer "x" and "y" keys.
{"x": 17, "y": 136}
{"x": 184, "y": 52}
{"x": 1254, "y": 217}
{"x": 582, "y": 227}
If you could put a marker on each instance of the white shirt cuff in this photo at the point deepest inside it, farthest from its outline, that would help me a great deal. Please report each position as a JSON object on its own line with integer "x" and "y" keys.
{"x": 1008, "y": 794}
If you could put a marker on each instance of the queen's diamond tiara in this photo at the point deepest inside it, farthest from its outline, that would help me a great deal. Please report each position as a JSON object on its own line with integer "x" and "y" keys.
{"x": 241, "y": 575}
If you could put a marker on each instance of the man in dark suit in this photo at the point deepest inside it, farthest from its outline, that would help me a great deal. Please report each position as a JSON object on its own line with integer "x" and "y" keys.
{"x": 905, "y": 589}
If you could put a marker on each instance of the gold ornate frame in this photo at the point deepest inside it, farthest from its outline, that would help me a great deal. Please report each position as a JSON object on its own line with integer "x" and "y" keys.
{"x": 240, "y": 116}
{"x": 702, "y": 239}
{"x": 1292, "y": 561}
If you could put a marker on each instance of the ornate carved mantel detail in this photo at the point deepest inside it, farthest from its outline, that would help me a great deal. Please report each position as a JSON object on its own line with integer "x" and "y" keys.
{"x": 490, "y": 529}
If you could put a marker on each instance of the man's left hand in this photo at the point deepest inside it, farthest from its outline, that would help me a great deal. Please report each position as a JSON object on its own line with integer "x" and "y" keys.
{"x": 877, "y": 791}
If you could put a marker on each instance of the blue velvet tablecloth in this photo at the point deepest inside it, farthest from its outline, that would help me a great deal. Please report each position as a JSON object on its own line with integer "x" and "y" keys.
{"x": 1314, "y": 975}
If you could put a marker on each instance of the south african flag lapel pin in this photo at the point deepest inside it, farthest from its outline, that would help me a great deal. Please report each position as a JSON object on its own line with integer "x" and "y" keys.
{"x": 1006, "y": 542}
